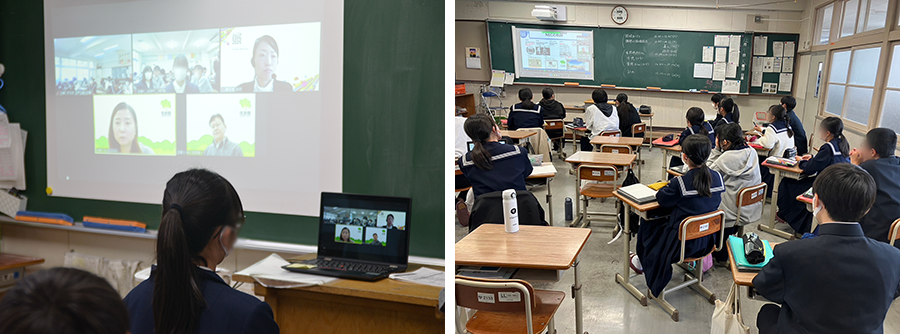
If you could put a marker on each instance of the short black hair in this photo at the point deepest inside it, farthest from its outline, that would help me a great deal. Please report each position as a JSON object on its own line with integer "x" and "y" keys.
{"x": 716, "y": 98}
{"x": 789, "y": 102}
{"x": 63, "y": 300}
{"x": 547, "y": 92}
{"x": 599, "y": 96}
{"x": 219, "y": 116}
{"x": 847, "y": 191}
{"x": 180, "y": 61}
{"x": 883, "y": 141}
{"x": 727, "y": 104}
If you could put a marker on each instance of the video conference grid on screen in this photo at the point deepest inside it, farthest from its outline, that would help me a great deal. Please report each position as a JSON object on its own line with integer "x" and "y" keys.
{"x": 363, "y": 226}
{"x": 135, "y": 78}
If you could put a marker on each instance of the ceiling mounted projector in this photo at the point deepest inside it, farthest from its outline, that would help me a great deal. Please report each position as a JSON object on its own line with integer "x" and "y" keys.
{"x": 549, "y": 13}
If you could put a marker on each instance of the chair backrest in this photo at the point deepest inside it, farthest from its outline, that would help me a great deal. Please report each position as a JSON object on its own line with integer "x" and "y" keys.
{"x": 598, "y": 173}
{"x": 638, "y": 128}
{"x": 553, "y": 124}
{"x": 809, "y": 143}
{"x": 749, "y": 196}
{"x": 488, "y": 209}
{"x": 496, "y": 295}
{"x": 895, "y": 228}
{"x": 610, "y": 133}
{"x": 695, "y": 227}
{"x": 615, "y": 148}
{"x": 761, "y": 116}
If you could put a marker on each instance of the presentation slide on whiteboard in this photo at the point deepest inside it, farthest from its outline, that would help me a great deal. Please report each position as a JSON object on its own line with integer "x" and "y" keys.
{"x": 562, "y": 54}
{"x": 138, "y": 91}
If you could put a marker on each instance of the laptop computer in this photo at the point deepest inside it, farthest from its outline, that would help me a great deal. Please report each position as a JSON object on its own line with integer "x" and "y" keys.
{"x": 471, "y": 145}
{"x": 360, "y": 237}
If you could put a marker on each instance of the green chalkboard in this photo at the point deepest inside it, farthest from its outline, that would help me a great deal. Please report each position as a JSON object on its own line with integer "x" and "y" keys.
{"x": 393, "y": 120}
{"x": 773, "y": 76}
{"x": 632, "y": 58}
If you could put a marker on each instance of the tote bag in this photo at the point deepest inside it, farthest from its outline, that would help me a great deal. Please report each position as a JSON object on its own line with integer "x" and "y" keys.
{"x": 726, "y": 318}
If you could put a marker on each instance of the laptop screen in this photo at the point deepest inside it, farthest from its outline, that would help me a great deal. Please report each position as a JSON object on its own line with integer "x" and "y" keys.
{"x": 471, "y": 144}
{"x": 365, "y": 228}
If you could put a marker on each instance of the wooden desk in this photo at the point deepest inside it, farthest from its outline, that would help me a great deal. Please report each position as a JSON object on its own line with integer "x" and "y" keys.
{"x": 649, "y": 136}
{"x": 594, "y": 158}
{"x": 641, "y": 210}
{"x": 518, "y": 134}
{"x": 533, "y": 247}
{"x": 667, "y": 152}
{"x": 780, "y": 172}
{"x": 15, "y": 265}
{"x": 576, "y": 133}
{"x": 384, "y": 306}
{"x": 635, "y": 143}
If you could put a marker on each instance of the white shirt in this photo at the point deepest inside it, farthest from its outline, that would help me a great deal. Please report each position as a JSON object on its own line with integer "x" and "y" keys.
{"x": 776, "y": 141}
{"x": 597, "y": 122}
{"x": 462, "y": 139}
{"x": 179, "y": 89}
{"x": 267, "y": 88}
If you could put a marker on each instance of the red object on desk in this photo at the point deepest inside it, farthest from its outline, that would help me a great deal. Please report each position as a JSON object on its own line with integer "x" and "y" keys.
{"x": 660, "y": 142}
{"x": 757, "y": 146}
{"x": 503, "y": 121}
{"x": 804, "y": 199}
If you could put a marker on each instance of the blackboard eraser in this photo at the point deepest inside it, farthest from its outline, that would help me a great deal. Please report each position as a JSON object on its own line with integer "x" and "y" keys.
{"x": 608, "y": 86}
{"x": 704, "y": 91}
{"x": 571, "y": 84}
{"x": 654, "y": 88}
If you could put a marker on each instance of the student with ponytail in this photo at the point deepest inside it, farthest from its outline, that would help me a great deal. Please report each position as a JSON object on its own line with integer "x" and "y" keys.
{"x": 777, "y": 137}
{"x": 491, "y": 166}
{"x": 202, "y": 215}
{"x": 628, "y": 115}
{"x": 697, "y": 124}
{"x": 696, "y": 192}
{"x": 726, "y": 113}
{"x": 835, "y": 150}
{"x": 525, "y": 114}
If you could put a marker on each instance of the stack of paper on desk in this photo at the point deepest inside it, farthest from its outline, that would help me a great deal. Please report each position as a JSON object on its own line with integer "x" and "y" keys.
{"x": 638, "y": 193}
{"x": 423, "y": 275}
{"x": 270, "y": 268}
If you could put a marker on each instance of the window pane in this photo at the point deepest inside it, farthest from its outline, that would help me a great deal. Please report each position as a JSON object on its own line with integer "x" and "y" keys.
{"x": 894, "y": 74}
{"x": 850, "y": 12}
{"x": 840, "y": 63}
{"x": 877, "y": 14}
{"x": 823, "y": 19}
{"x": 859, "y": 103}
{"x": 865, "y": 66}
{"x": 890, "y": 116}
{"x": 835, "y": 99}
{"x": 861, "y": 22}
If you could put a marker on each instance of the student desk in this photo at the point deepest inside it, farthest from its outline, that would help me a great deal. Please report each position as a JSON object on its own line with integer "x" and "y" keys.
{"x": 384, "y": 306}
{"x": 649, "y": 136}
{"x": 15, "y": 265}
{"x": 809, "y": 207}
{"x": 595, "y": 158}
{"x": 546, "y": 171}
{"x": 780, "y": 172}
{"x": 635, "y": 144}
{"x": 517, "y": 134}
{"x": 668, "y": 151}
{"x": 533, "y": 247}
{"x": 576, "y": 132}
{"x": 641, "y": 210}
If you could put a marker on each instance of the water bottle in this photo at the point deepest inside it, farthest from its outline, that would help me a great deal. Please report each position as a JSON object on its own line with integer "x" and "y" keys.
{"x": 510, "y": 211}
{"x": 569, "y": 209}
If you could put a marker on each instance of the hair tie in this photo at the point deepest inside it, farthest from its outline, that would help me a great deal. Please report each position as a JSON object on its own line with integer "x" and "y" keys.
{"x": 176, "y": 207}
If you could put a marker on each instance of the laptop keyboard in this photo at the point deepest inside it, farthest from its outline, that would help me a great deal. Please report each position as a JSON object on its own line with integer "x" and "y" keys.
{"x": 352, "y": 266}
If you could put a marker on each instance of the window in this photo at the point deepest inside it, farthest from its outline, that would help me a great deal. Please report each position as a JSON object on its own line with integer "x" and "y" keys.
{"x": 851, "y": 83}
{"x": 823, "y": 24}
{"x": 851, "y": 10}
{"x": 863, "y": 15}
{"x": 890, "y": 110}
{"x": 68, "y": 69}
{"x": 877, "y": 14}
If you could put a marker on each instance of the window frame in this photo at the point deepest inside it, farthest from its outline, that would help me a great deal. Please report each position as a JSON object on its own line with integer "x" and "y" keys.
{"x": 877, "y": 94}
{"x": 885, "y": 87}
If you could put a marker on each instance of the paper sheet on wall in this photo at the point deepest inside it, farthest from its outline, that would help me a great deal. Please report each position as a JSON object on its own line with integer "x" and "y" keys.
{"x": 760, "y": 45}
{"x": 756, "y": 64}
{"x": 785, "y": 80}
{"x": 731, "y": 86}
{"x": 778, "y": 49}
{"x": 723, "y": 40}
{"x": 721, "y": 54}
{"x": 787, "y": 64}
{"x": 734, "y": 56}
{"x": 731, "y": 70}
{"x": 4, "y": 130}
{"x": 12, "y": 159}
{"x": 768, "y": 64}
{"x": 788, "y": 49}
{"x": 756, "y": 79}
{"x": 776, "y": 64}
{"x": 735, "y": 42}
{"x": 508, "y": 78}
{"x": 708, "y": 54}
{"x": 719, "y": 71}
{"x": 769, "y": 87}
{"x": 702, "y": 70}
{"x": 497, "y": 77}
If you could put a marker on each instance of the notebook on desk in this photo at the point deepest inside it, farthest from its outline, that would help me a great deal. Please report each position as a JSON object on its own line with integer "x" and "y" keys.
{"x": 639, "y": 193}
{"x": 360, "y": 237}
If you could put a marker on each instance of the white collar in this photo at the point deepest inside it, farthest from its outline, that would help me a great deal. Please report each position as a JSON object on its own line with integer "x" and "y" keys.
{"x": 205, "y": 268}
{"x": 179, "y": 89}
{"x": 267, "y": 88}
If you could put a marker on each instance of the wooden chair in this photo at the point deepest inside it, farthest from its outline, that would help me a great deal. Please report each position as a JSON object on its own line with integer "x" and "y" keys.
{"x": 610, "y": 133}
{"x": 895, "y": 228}
{"x": 557, "y": 124}
{"x": 504, "y": 306}
{"x": 638, "y": 128}
{"x": 616, "y": 149}
{"x": 606, "y": 179}
{"x": 747, "y": 197}
{"x": 692, "y": 228}
{"x": 810, "y": 143}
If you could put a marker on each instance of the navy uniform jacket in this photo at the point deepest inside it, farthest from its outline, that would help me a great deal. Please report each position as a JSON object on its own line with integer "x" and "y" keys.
{"x": 694, "y": 129}
{"x": 727, "y": 119}
{"x": 658, "y": 246}
{"x": 886, "y": 172}
{"x": 792, "y": 211}
{"x": 227, "y": 310}
{"x": 799, "y": 133}
{"x": 628, "y": 116}
{"x": 838, "y": 282}
{"x": 510, "y": 168}
{"x": 524, "y": 118}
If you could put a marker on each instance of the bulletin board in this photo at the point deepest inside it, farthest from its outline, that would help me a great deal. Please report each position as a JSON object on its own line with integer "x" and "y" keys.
{"x": 773, "y": 61}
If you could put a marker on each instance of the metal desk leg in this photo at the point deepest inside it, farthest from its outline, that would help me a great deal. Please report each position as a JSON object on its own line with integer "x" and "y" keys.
{"x": 576, "y": 293}
{"x": 774, "y": 206}
{"x": 622, "y": 278}
{"x": 665, "y": 163}
{"x": 650, "y": 129}
{"x": 577, "y": 214}
{"x": 640, "y": 162}
{"x": 549, "y": 204}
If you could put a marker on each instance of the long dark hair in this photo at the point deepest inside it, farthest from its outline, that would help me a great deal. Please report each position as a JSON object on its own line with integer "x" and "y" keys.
{"x": 836, "y": 127}
{"x": 197, "y": 205}
{"x": 479, "y": 128}
{"x": 732, "y": 133}
{"x": 728, "y": 105}
{"x": 342, "y": 234}
{"x": 697, "y": 148}
{"x": 525, "y": 96}
{"x": 696, "y": 117}
{"x": 111, "y": 138}
{"x": 624, "y": 109}
{"x": 781, "y": 115}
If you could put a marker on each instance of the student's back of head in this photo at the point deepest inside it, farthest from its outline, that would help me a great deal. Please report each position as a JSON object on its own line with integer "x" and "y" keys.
{"x": 846, "y": 191}
{"x": 789, "y": 103}
{"x": 696, "y": 148}
{"x": 732, "y": 133}
{"x": 696, "y": 117}
{"x": 599, "y": 96}
{"x": 63, "y": 301}
{"x": 479, "y": 128}
{"x": 883, "y": 141}
{"x": 727, "y": 104}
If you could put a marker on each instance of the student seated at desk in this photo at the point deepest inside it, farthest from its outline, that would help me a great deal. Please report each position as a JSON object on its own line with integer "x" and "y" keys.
{"x": 63, "y": 300}
{"x": 789, "y": 103}
{"x": 776, "y": 137}
{"x": 524, "y": 114}
{"x": 599, "y": 117}
{"x": 696, "y": 192}
{"x": 838, "y": 282}
{"x": 697, "y": 124}
{"x": 835, "y": 150}
{"x": 726, "y": 113}
{"x": 876, "y": 156}
{"x": 628, "y": 115}
{"x": 202, "y": 215}
{"x": 492, "y": 166}
{"x": 739, "y": 166}
{"x": 552, "y": 109}
{"x": 717, "y": 99}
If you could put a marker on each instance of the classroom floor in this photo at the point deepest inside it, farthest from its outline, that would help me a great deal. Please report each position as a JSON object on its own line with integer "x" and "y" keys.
{"x": 608, "y": 308}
